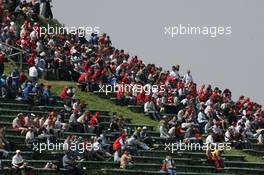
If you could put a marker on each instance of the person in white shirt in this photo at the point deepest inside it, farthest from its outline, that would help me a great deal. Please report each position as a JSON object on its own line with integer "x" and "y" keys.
{"x": 261, "y": 137}
{"x": 30, "y": 136}
{"x": 163, "y": 130}
{"x": 19, "y": 165}
{"x": 33, "y": 74}
{"x": 175, "y": 71}
{"x": 149, "y": 107}
{"x": 188, "y": 77}
{"x": 210, "y": 139}
{"x": 202, "y": 119}
{"x": 17, "y": 160}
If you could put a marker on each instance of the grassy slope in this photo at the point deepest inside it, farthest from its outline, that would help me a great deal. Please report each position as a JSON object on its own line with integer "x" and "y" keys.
{"x": 248, "y": 157}
{"x": 94, "y": 101}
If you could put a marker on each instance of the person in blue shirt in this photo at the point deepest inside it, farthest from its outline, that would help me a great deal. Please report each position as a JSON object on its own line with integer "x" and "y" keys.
{"x": 26, "y": 91}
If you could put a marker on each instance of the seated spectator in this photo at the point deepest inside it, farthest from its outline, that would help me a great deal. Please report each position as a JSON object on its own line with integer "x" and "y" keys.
{"x": 68, "y": 162}
{"x": 133, "y": 144}
{"x": 218, "y": 161}
{"x": 126, "y": 160}
{"x": 19, "y": 123}
{"x": 202, "y": 120}
{"x": 74, "y": 125}
{"x": 98, "y": 152}
{"x": 30, "y": 138}
{"x": 104, "y": 142}
{"x": 164, "y": 130}
{"x": 168, "y": 165}
{"x": 119, "y": 146}
{"x": 94, "y": 122}
{"x": 19, "y": 165}
{"x": 47, "y": 96}
{"x": 149, "y": 107}
{"x": 145, "y": 137}
{"x": 4, "y": 145}
{"x": 261, "y": 137}
{"x": 83, "y": 121}
{"x": 50, "y": 165}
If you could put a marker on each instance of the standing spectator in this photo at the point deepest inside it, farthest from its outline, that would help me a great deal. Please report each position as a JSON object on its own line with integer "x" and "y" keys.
{"x": 43, "y": 8}
{"x": 33, "y": 74}
{"x": 49, "y": 14}
{"x": 187, "y": 78}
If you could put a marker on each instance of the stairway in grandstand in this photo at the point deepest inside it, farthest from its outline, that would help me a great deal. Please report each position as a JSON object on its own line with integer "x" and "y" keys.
{"x": 187, "y": 162}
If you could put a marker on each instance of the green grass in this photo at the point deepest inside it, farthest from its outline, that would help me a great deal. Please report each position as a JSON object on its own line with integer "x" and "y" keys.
{"x": 96, "y": 102}
{"x": 248, "y": 157}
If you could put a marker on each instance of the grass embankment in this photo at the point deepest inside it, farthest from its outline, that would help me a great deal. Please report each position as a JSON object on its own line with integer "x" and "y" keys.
{"x": 96, "y": 102}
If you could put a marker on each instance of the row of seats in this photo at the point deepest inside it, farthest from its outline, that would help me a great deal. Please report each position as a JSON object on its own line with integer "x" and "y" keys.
{"x": 149, "y": 162}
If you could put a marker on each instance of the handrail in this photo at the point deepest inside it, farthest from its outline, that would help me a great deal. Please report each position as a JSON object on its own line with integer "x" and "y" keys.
{"x": 8, "y": 45}
{"x": 20, "y": 53}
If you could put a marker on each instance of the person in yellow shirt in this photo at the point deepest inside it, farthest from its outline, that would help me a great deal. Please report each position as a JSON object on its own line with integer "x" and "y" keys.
{"x": 126, "y": 160}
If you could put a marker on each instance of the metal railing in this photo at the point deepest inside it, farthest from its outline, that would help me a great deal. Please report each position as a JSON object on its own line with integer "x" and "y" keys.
{"x": 19, "y": 53}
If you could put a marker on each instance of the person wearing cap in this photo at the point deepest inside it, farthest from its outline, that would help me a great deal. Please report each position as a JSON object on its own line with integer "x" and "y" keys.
{"x": 145, "y": 138}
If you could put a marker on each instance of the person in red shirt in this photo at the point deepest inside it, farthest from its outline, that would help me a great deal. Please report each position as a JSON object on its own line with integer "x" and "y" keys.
{"x": 22, "y": 77}
{"x": 94, "y": 122}
{"x": 63, "y": 93}
{"x": 118, "y": 146}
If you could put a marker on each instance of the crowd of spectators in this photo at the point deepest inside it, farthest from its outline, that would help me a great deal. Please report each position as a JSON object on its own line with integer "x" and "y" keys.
{"x": 194, "y": 111}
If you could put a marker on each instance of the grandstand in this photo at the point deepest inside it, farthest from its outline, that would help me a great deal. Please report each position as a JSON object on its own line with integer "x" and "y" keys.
{"x": 148, "y": 160}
